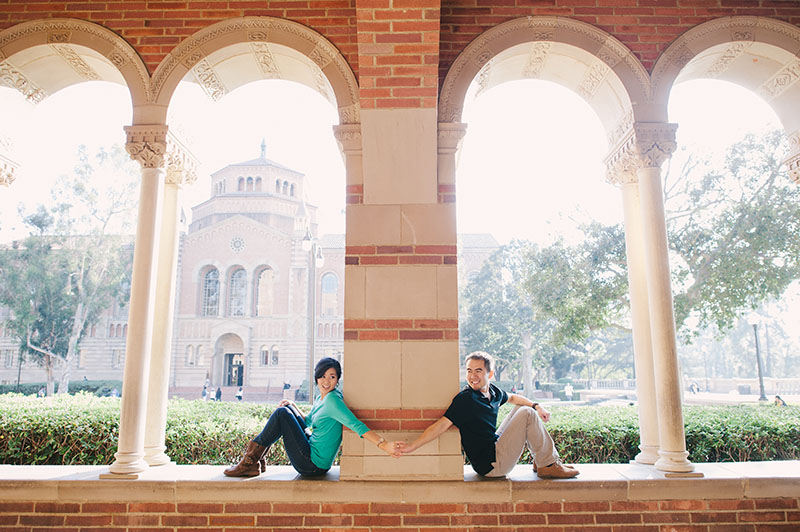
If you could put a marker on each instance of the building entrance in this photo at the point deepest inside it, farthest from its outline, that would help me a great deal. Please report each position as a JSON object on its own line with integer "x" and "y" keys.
{"x": 234, "y": 369}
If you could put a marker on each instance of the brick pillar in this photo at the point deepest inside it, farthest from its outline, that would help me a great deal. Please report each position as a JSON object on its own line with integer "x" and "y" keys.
{"x": 401, "y": 310}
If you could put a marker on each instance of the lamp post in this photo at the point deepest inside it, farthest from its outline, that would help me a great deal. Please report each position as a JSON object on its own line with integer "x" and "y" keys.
{"x": 315, "y": 259}
{"x": 753, "y": 319}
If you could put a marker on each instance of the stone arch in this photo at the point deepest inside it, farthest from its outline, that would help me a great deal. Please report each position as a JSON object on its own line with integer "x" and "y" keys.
{"x": 613, "y": 80}
{"x": 327, "y": 67}
{"x": 68, "y": 51}
{"x": 728, "y": 48}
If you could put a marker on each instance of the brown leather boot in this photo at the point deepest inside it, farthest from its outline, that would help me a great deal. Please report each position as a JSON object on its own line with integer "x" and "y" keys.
{"x": 262, "y": 461}
{"x": 248, "y": 465}
{"x": 557, "y": 470}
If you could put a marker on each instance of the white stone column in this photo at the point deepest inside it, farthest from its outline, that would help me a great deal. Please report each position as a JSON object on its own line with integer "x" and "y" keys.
{"x": 146, "y": 144}
{"x": 180, "y": 169}
{"x": 348, "y": 136}
{"x": 622, "y": 165}
{"x": 655, "y": 142}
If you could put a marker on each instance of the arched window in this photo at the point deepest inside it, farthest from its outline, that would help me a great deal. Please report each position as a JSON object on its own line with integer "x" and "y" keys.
{"x": 125, "y": 330}
{"x": 189, "y": 356}
{"x": 93, "y": 331}
{"x": 198, "y": 355}
{"x": 249, "y": 184}
{"x": 327, "y": 330}
{"x": 210, "y": 306}
{"x": 111, "y": 331}
{"x": 237, "y": 292}
{"x": 285, "y": 188}
{"x": 330, "y": 300}
{"x": 278, "y": 186}
{"x": 119, "y": 331}
{"x": 273, "y": 359}
{"x": 291, "y": 190}
{"x": 264, "y": 292}
{"x": 264, "y": 355}
{"x": 258, "y": 184}
{"x": 341, "y": 330}
{"x": 240, "y": 185}
{"x": 319, "y": 330}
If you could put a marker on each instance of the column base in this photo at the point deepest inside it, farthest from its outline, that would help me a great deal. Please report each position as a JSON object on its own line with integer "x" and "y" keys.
{"x": 673, "y": 461}
{"x": 128, "y": 463}
{"x": 648, "y": 455}
{"x": 156, "y": 456}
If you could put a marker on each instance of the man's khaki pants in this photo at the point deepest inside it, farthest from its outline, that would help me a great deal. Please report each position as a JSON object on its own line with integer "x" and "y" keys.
{"x": 521, "y": 427}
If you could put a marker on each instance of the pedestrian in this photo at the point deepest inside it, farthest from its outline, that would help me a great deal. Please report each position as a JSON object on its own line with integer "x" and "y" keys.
{"x": 239, "y": 394}
{"x": 204, "y": 393}
{"x": 218, "y": 395}
{"x": 779, "y": 401}
{"x": 568, "y": 389}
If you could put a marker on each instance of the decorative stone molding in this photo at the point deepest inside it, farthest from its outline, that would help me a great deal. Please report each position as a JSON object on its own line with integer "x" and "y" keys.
{"x": 266, "y": 62}
{"x": 592, "y": 79}
{"x": 349, "y": 138}
{"x": 181, "y": 164}
{"x": 450, "y": 136}
{"x": 494, "y": 41}
{"x": 287, "y": 33}
{"x": 537, "y": 57}
{"x": 57, "y": 32}
{"x": 76, "y": 62}
{"x": 350, "y": 114}
{"x": 147, "y": 144}
{"x": 14, "y": 79}
{"x": 741, "y": 31}
{"x": 204, "y": 73}
{"x": 793, "y": 161}
{"x": 7, "y": 169}
{"x": 780, "y": 82}
{"x": 646, "y": 144}
{"x": 732, "y": 52}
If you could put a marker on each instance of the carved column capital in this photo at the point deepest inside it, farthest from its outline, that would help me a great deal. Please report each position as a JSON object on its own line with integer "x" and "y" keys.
{"x": 181, "y": 164}
{"x": 450, "y": 136}
{"x": 793, "y": 161}
{"x": 645, "y": 144}
{"x": 349, "y": 138}
{"x": 147, "y": 144}
{"x": 655, "y": 141}
{"x": 7, "y": 167}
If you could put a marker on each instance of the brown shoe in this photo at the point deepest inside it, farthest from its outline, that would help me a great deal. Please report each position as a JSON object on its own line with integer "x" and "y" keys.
{"x": 557, "y": 470}
{"x": 565, "y": 465}
{"x": 248, "y": 465}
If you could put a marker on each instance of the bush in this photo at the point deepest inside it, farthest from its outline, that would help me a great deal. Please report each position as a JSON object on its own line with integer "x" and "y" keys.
{"x": 83, "y": 429}
{"x": 99, "y": 387}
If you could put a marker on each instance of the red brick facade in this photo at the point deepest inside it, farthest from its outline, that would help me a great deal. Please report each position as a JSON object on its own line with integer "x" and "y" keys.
{"x": 753, "y": 515}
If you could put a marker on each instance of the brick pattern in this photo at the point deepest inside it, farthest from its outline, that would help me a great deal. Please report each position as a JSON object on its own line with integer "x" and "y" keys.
{"x": 393, "y": 255}
{"x": 355, "y": 194}
{"x": 646, "y": 26}
{"x": 155, "y": 27}
{"x": 399, "y": 418}
{"x": 750, "y": 515}
{"x": 401, "y": 329}
{"x": 398, "y": 53}
{"x": 447, "y": 193}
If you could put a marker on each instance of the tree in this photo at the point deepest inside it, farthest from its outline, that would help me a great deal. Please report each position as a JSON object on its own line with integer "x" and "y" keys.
{"x": 74, "y": 264}
{"x": 498, "y": 317}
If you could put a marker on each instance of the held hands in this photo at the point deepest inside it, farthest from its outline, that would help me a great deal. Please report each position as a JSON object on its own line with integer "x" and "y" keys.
{"x": 392, "y": 448}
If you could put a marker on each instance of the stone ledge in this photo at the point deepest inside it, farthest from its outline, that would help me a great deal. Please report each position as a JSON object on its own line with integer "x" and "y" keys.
{"x": 607, "y": 482}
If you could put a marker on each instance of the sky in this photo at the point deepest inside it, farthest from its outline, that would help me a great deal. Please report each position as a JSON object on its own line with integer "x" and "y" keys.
{"x": 532, "y": 148}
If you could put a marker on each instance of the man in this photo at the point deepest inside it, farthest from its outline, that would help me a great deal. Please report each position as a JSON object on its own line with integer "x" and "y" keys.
{"x": 474, "y": 412}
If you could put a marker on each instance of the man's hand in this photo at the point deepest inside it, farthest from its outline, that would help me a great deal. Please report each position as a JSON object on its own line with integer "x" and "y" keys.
{"x": 543, "y": 413}
{"x": 405, "y": 448}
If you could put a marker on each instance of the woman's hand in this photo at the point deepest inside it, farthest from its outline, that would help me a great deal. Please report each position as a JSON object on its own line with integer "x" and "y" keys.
{"x": 392, "y": 448}
{"x": 287, "y": 402}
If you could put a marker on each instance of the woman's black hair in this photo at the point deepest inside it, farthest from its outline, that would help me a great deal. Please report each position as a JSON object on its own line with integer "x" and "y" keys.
{"x": 324, "y": 365}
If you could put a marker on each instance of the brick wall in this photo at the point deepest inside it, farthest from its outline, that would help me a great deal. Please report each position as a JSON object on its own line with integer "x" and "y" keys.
{"x": 751, "y": 515}
{"x": 155, "y": 27}
{"x": 645, "y": 26}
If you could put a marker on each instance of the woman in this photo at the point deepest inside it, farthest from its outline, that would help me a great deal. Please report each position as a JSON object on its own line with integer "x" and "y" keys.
{"x": 311, "y": 452}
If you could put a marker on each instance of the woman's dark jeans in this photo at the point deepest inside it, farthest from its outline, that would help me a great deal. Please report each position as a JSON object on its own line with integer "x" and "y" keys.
{"x": 284, "y": 422}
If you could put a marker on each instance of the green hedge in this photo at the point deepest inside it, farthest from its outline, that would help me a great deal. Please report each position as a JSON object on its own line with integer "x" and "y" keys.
{"x": 97, "y": 387}
{"x": 82, "y": 429}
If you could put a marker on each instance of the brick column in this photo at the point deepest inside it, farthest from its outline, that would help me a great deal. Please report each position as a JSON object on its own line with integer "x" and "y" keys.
{"x": 401, "y": 307}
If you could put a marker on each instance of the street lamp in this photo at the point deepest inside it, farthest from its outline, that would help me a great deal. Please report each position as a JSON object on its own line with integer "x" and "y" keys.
{"x": 315, "y": 259}
{"x": 753, "y": 319}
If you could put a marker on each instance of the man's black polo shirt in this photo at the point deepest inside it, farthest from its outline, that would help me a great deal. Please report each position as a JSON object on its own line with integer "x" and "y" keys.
{"x": 476, "y": 419}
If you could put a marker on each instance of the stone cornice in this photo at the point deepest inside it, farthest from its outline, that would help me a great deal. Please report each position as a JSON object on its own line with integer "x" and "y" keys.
{"x": 349, "y": 138}
{"x": 450, "y": 136}
{"x": 147, "y": 144}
